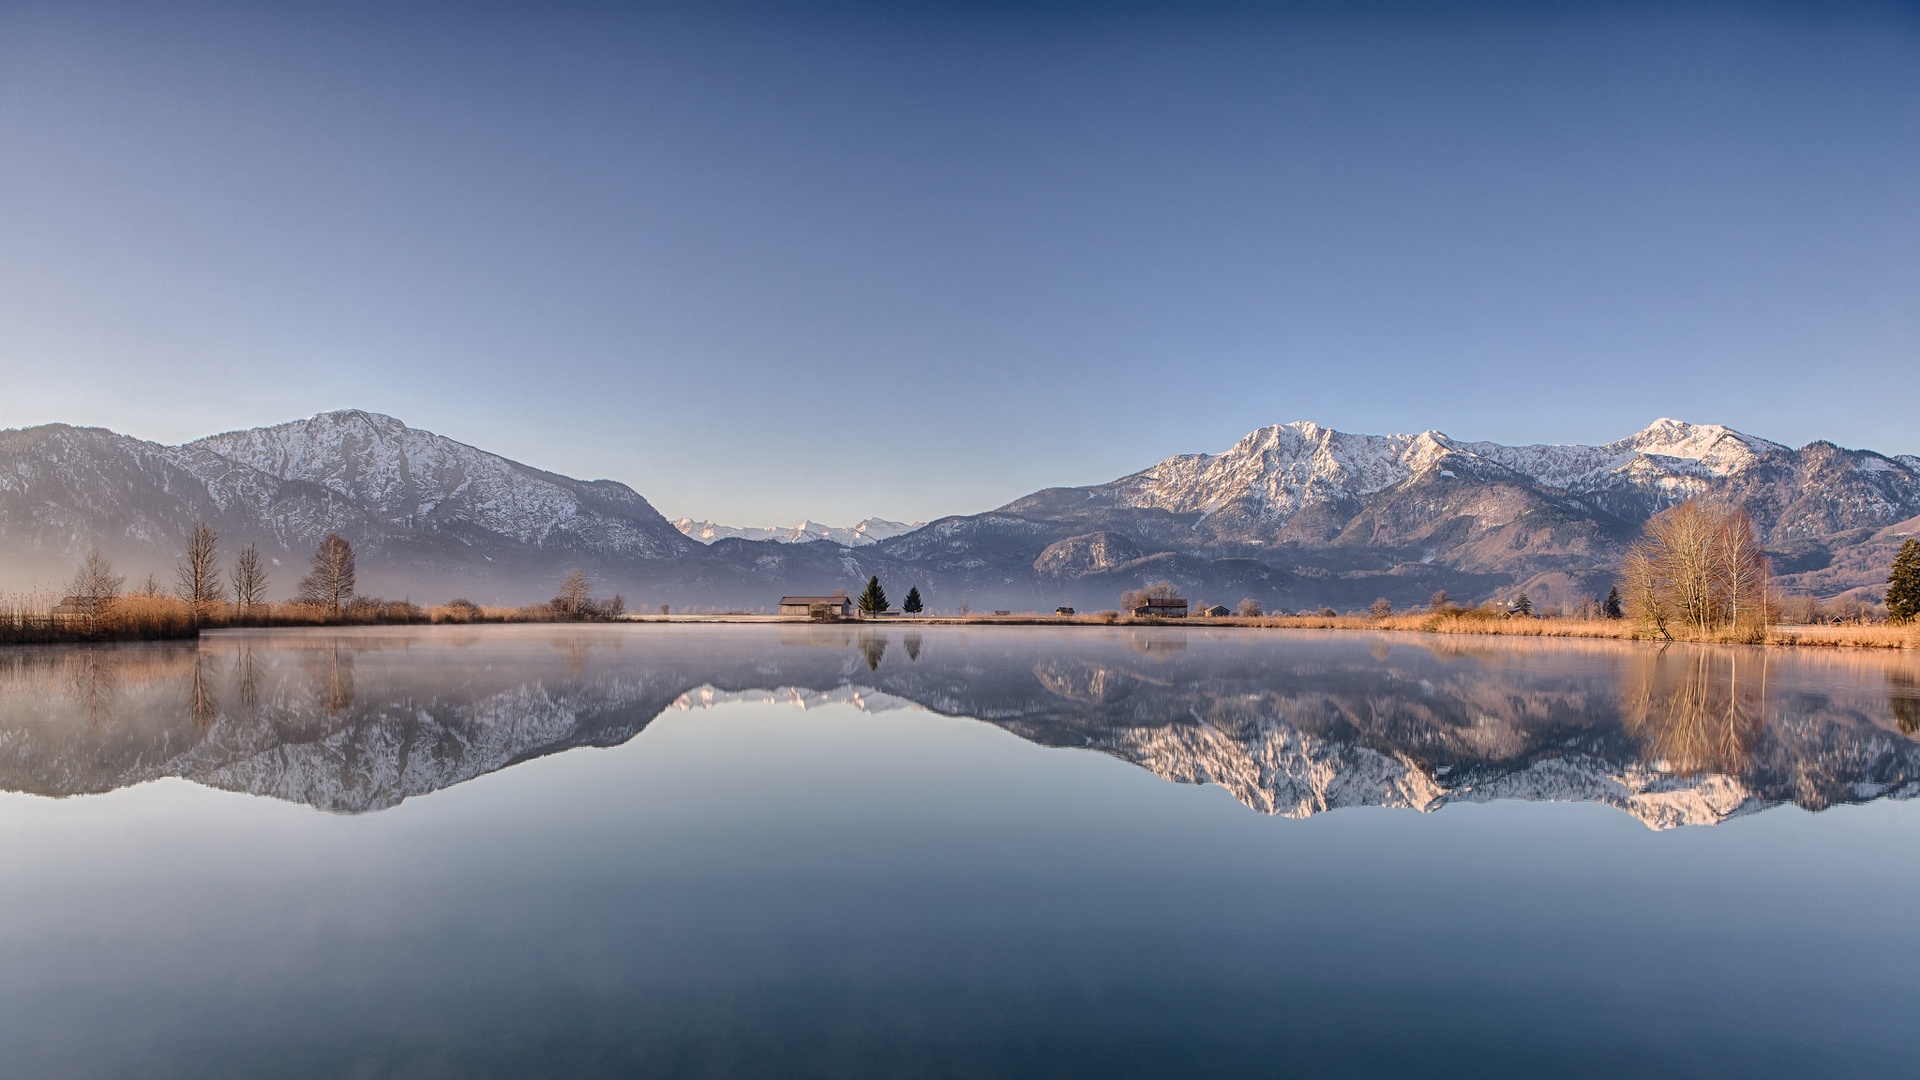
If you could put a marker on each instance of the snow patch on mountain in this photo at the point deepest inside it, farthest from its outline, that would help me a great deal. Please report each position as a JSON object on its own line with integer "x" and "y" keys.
{"x": 869, "y": 531}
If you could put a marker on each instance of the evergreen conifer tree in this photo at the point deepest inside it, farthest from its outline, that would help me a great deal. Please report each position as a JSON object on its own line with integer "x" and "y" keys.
{"x": 874, "y": 599}
{"x": 1523, "y": 606}
{"x": 912, "y": 605}
{"x": 1903, "y": 585}
{"x": 1613, "y": 608}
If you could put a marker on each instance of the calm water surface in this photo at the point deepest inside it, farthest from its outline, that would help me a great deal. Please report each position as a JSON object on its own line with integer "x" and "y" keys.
{"x": 824, "y": 851}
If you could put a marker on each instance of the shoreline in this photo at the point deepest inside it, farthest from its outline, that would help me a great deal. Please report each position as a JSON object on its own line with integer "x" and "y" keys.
{"x": 1814, "y": 636}
{"x": 1876, "y": 636}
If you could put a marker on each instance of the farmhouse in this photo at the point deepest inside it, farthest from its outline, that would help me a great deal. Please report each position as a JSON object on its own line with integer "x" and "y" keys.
{"x": 804, "y": 605}
{"x": 79, "y": 608}
{"x": 1164, "y": 607}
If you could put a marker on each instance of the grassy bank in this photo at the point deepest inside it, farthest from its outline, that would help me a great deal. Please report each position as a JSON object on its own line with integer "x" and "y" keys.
{"x": 33, "y": 619}
{"x": 1861, "y": 635}
{"x": 37, "y": 619}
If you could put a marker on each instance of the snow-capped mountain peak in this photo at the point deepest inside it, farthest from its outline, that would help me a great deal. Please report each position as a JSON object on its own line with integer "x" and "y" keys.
{"x": 1284, "y": 468}
{"x": 1278, "y": 470}
{"x": 407, "y": 477}
{"x": 1667, "y": 455}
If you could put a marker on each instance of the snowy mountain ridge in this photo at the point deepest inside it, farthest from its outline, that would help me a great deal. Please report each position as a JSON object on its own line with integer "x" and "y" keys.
{"x": 1284, "y": 468}
{"x": 860, "y": 534}
{"x": 427, "y": 514}
{"x": 410, "y": 478}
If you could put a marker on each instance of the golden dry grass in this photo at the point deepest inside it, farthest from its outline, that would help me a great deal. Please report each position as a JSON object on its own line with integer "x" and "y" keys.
{"x": 1481, "y": 622}
{"x": 28, "y": 618}
{"x": 1856, "y": 636}
{"x": 32, "y": 618}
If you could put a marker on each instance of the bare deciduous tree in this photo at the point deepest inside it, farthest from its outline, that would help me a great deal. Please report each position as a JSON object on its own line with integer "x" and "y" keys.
{"x": 1157, "y": 590}
{"x": 575, "y": 597}
{"x": 1249, "y": 608}
{"x": 331, "y": 581}
{"x": 1699, "y": 568}
{"x": 95, "y": 584}
{"x": 198, "y": 573}
{"x": 249, "y": 579}
{"x": 1741, "y": 570}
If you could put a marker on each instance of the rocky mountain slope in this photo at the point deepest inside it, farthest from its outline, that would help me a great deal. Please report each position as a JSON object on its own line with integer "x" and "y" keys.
{"x": 426, "y": 513}
{"x": 1296, "y": 515}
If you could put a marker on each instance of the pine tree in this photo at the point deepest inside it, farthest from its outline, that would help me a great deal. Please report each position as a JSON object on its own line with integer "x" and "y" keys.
{"x": 1903, "y": 585}
{"x": 912, "y": 606}
{"x": 874, "y": 599}
{"x": 1613, "y": 608}
{"x": 1523, "y": 607}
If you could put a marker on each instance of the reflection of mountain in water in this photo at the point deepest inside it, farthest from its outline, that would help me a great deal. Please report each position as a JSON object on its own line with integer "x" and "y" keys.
{"x": 1291, "y": 724}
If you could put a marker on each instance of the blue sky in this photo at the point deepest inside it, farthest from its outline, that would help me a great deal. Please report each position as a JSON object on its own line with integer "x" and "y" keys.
{"x": 770, "y": 262}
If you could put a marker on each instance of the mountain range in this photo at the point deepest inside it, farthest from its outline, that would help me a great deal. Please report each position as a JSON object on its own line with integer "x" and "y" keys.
{"x": 1293, "y": 515}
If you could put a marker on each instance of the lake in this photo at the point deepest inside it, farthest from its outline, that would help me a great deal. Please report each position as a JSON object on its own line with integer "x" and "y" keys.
{"x": 839, "y": 851}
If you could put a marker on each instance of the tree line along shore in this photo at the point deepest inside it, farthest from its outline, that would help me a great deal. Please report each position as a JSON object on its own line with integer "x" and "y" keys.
{"x": 207, "y": 594}
{"x": 1697, "y": 573}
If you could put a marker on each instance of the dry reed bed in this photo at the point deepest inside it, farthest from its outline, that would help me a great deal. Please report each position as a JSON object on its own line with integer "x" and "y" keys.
{"x": 1866, "y": 635}
{"x": 31, "y": 618}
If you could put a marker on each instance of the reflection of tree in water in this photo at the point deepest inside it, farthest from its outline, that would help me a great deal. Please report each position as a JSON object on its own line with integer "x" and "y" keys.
{"x": 873, "y": 647}
{"x": 1697, "y": 710}
{"x": 1904, "y": 698}
{"x": 203, "y": 693}
{"x": 575, "y": 648}
{"x": 93, "y": 682}
{"x": 330, "y": 674}
{"x": 246, "y": 677}
{"x": 913, "y": 646}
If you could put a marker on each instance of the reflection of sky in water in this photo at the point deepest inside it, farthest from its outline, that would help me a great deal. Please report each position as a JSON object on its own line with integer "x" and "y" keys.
{"x": 750, "y": 888}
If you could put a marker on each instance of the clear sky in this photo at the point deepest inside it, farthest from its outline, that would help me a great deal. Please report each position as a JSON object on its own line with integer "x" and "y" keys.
{"x": 764, "y": 263}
